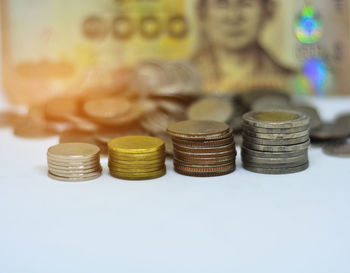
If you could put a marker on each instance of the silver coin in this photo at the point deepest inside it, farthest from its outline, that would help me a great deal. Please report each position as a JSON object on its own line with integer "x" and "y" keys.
{"x": 275, "y": 142}
{"x": 264, "y": 160}
{"x": 276, "y": 136}
{"x": 277, "y": 148}
{"x": 276, "y": 165}
{"x": 312, "y": 113}
{"x": 337, "y": 148}
{"x": 254, "y": 153}
{"x": 277, "y": 171}
{"x": 246, "y": 126}
{"x": 329, "y": 131}
{"x": 276, "y": 119}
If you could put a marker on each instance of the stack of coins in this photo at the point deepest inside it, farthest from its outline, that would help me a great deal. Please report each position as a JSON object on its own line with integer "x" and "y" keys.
{"x": 275, "y": 141}
{"x": 74, "y": 162}
{"x": 136, "y": 157}
{"x": 203, "y": 148}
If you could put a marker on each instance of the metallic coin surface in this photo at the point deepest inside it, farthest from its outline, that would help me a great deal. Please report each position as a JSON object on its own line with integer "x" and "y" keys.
{"x": 275, "y": 142}
{"x": 205, "y": 143}
{"x": 329, "y": 131}
{"x": 337, "y": 148}
{"x": 246, "y": 126}
{"x": 266, "y": 160}
{"x": 211, "y": 108}
{"x": 209, "y": 160}
{"x": 136, "y": 144}
{"x": 203, "y": 138}
{"x": 312, "y": 113}
{"x": 276, "y": 119}
{"x": 277, "y": 171}
{"x": 224, "y": 148}
{"x": 72, "y": 173}
{"x": 139, "y": 176}
{"x": 69, "y": 167}
{"x": 249, "y": 152}
{"x": 180, "y": 154}
{"x": 276, "y": 136}
{"x": 204, "y": 163}
{"x": 73, "y": 151}
{"x": 275, "y": 166}
{"x": 134, "y": 114}
{"x": 205, "y": 169}
{"x": 283, "y": 148}
{"x": 204, "y": 174}
{"x": 198, "y": 128}
{"x": 107, "y": 107}
{"x": 74, "y": 179}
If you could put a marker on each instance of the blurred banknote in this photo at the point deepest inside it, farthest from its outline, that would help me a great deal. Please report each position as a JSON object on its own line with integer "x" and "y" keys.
{"x": 60, "y": 47}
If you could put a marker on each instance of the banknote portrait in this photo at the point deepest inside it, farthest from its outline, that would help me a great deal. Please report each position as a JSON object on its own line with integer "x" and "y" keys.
{"x": 229, "y": 51}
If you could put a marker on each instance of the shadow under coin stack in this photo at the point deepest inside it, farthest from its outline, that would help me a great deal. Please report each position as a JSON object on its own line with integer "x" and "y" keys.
{"x": 74, "y": 162}
{"x": 203, "y": 148}
{"x": 136, "y": 157}
{"x": 275, "y": 142}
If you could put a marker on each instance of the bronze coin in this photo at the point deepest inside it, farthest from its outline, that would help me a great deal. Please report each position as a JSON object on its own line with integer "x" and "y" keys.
{"x": 198, "y": 128}
{"x": 205, "y": 169}
{"x": 205, "y": 143}
{"x": 207, "y": 160}
{"x": 204, "y": 149}
{"x": 204, "y": 174}
{"x": 204, "y": 163}
{"x": 184, "y": 155}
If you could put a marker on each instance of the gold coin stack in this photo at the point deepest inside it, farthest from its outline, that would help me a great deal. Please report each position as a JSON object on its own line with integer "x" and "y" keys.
{"x": 275, "y": 141}
{"x": 203, "y": 148}
{"x": 74, "y": 162}
{"x": 136, "y": 157}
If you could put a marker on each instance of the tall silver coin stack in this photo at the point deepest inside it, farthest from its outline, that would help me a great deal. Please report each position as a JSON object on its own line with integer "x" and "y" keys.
{"x": 275, "y": 141}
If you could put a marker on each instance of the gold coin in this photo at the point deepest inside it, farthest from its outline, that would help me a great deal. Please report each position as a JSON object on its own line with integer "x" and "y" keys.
{"x": 138, "y": 162}
{"x": 198, "y": 128}
{"x": 107, "y": 107}
{"x": 139, "y": 176}
{"x": 136, "y": 145}
{"x": 136, "y": 170}
{"x": 75, "y": 179}
{"x": 73, "y": 151}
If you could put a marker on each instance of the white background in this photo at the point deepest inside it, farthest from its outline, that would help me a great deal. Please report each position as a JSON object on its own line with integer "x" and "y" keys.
{"x": 242, "y": 222}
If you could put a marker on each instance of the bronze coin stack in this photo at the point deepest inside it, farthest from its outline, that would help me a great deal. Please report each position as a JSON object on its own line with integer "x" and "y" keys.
{"x": 275, "y": 141}
{"x": 72, "y": 162}
{"x": 203, "y": 148}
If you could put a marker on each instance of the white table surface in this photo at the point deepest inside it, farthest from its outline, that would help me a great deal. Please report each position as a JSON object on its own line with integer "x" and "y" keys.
{"x": 242, "y": 222}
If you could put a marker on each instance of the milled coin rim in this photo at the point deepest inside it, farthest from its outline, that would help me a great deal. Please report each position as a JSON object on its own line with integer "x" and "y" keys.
{"x": 277, "y": 171}
{"x": 302, "y": 120}
{"x": 275, "y": 142}
{"x": 205, "y": 143}
{"x": 203, "y": 174}
{"x": 215, "y": 149}
{"x": 272, "y": 154}
{"x": 283, "y": 148}
{"x": 275, "y": 136}
{"x": 80, "y": 179}
{"x": 247, "y": 126}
